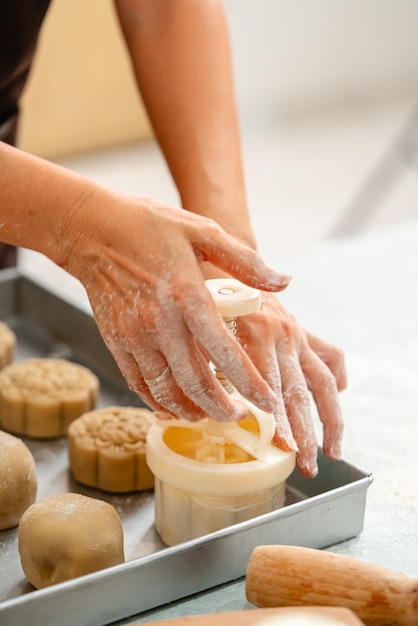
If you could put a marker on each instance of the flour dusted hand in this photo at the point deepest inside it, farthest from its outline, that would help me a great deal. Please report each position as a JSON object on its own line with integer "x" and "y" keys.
{"x": 297, "y": 364}
{"x": 139, "y": 263}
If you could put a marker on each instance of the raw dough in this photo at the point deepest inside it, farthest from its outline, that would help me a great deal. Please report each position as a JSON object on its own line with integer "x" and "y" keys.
{"x": 18, "y": 481}
{"x": 107, "y": 449}
{"x": 40, "y": 397}
{"x": 68, "y": 535}
{"x": 7, "y": 345}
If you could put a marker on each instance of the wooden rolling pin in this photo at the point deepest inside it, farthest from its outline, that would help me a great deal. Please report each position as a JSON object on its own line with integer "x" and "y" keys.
{"x": 293, "y": 616}
{"x": 293, "y": 576}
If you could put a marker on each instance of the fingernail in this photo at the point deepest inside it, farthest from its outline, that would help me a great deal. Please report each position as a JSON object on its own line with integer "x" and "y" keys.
{"x": 240, "y": 411}
{"x": 334, "y": 452}
{"x": 308, "y": 470}
{"x": 280, "y": 280}
{"x": 288, "y": 436}
{"x": 274, "y": 281}
{"x": 293, "y": 446}
{"x": 164, "y": 415}
{"x": 287, "y": 444}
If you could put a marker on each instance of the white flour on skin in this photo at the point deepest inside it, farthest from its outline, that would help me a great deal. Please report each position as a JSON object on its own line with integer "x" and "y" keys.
{"x": 130, "y": 333}
{"x": 228, "y": 356}
{"x": 196, "y": 379}
{"x": 283, "y": 428}
{"x": 179, "y": 356}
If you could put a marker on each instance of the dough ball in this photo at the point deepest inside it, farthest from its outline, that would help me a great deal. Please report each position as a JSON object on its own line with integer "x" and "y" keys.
{"x": 107, "y": 449}
{"x": 68, "y": 535}
{"x": 40, "y": 397}
{"x": 18, "y": 481}
{"x": 7, "y": 345}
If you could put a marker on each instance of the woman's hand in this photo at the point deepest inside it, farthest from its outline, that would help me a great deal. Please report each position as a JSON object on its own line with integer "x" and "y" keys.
{"x": 296, "y": 364}
{"x": 139, "y": 262}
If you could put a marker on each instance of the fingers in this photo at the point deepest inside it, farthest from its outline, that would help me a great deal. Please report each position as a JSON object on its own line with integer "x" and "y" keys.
{"x": 332, "y": 356}
{"x": 164, "y": 392}
{"x": 147, "y": 336}
{"x": 188, "y": 388}
{"x": 323, "y": 386}
{"x": 288, "y": 362}
{"x": 302, "y": 375}
{"x": 175, "y": 375}
{"x": 170, "y": 397}
{"x": 205, "y": 323}
{"x": 241, "y": 262}
{"x": 263, "y": 354}
{"x": 276, "y": 356}
{"x": 132, "y": 374}
{"x": 298, "y": 410}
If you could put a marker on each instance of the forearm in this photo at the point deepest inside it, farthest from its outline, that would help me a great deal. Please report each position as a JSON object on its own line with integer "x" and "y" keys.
{"x": 39, "y": 201}
{"x": 181, "y": 58}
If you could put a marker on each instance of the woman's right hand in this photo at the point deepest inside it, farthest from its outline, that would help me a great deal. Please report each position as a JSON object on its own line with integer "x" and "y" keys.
{"x": 139, "y": 263}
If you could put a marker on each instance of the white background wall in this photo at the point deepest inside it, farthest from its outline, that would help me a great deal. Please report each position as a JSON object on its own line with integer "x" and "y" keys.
{"x": 295, "y": 56}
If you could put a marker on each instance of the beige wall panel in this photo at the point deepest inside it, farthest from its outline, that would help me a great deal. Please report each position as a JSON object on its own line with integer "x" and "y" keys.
{"x": 81, "y": 93}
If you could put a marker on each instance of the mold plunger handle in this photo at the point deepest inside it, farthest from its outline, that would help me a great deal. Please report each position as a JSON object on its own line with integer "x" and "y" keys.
{"x": 293, "y": 576}
{"x": 233, "y": 299}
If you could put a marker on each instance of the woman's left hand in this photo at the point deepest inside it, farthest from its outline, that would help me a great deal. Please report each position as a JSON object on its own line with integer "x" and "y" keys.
{"x": 296, "y": 364}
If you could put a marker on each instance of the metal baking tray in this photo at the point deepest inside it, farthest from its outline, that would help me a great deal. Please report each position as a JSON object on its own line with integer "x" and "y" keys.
{"x": 319, "y": 512}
